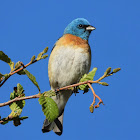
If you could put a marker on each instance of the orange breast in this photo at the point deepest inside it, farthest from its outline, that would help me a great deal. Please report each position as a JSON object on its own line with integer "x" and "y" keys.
{"x": 69, "y": 40}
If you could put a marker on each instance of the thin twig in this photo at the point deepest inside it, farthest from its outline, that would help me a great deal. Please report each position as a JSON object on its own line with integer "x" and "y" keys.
{"x": 94, "y": 92}
{"x": 4, "y": 81}
{"x": 63, "y": 88}
{"x": 89, "y": 82}
{"x": 19, "y": 99}
{"x": 6, "y": 119}
{"x": 95, "y": 96}
{"x": 38, "y": 95}
{"x": 16, "y": 71}
{"x": 75, "y": 85}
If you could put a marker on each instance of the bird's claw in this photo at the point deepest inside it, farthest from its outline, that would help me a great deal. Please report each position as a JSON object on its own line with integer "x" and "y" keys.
{"x": 57, "y": 91}
{"x": 75, "y": 90}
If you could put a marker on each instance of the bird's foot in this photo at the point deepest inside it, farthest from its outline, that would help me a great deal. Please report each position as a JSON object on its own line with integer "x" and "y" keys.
{"x": 57, "y": 92}
{"x": 75, "y": 90}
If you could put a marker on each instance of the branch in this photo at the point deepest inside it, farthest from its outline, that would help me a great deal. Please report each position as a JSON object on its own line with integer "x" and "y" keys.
{"x": 38, "y": 95}
{"x": 89, "y": 82}
{"x": 19, "y": 99}
{"x": 95, "y": 96}
{"x": 19, "y": 66}
{"x": 16, "y": 71}
{"x": 16, "y": 120}
{"x": 6, "y": 119}
{"x": 86, "y": 81}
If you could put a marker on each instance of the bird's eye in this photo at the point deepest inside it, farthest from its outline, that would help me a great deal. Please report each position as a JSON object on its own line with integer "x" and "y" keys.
{"x": 80, "y": 26}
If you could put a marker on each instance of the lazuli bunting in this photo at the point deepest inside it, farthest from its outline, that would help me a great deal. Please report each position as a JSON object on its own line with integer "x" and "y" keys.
{"x": 70, "y": 59}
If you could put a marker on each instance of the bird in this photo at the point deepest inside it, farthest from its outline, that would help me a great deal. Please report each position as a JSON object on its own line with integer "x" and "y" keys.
{"x": 69, "y": 60}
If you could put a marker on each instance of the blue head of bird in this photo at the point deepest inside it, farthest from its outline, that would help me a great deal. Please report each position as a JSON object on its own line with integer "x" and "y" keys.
{"x": 79, "y": 27}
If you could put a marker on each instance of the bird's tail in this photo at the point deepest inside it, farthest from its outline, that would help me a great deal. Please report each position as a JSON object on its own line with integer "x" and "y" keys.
{"x": 56, "y": 125}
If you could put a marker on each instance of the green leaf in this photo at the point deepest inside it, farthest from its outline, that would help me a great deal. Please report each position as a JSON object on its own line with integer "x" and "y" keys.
{"x": 13, "y": 117}
{"x": 6, "y": 59}
{"x": 11, "y": 64}
{"x": 16, "y": 111}
{"x": 49, "y": 93}
{"x": 6, "y": 76}
{"x": 16, "y": 121}
{"x": 18, "y": 65}
{"x": 22, "y": 72}
{"x": 49, "y": 108}
{"x": 89, "y": 76}
{"x": 24, "y": 117}
{"x": 12, "y": 95}
{"x": 5, "y": 122}
{"x": 32, "y": 78}
{"x": 86, "y": 77}
{"x": 17, "y": 107}
{"x": 19, "y": 89}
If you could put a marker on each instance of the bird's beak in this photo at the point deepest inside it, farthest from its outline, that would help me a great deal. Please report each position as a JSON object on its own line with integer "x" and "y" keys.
{"x": 90, "y": 28}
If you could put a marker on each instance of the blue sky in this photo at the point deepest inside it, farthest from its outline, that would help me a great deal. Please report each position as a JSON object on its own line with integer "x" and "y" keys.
{"x": 27, "y": 27}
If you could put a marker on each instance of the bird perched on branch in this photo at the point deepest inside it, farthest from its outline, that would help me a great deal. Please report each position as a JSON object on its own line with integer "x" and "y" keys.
{"x": 70, "y": 59}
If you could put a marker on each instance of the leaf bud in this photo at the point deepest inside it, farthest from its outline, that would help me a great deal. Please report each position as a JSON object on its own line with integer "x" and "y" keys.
{"x": 116, "y": 70}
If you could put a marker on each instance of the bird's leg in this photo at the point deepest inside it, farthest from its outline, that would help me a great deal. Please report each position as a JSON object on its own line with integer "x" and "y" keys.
{"x": 75, "y": 90}
{"x": 57, "y": 92}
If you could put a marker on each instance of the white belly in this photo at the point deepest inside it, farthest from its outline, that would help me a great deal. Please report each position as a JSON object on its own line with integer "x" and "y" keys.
{"x": 68, "y": 66}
